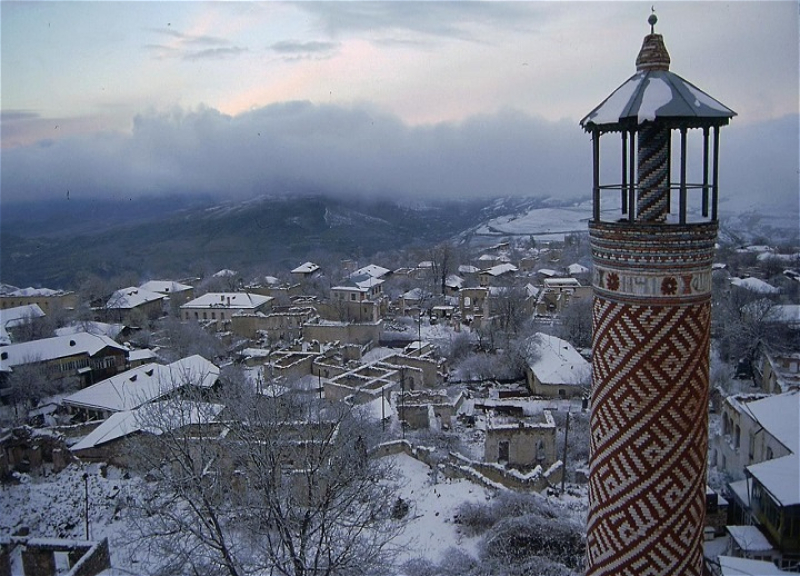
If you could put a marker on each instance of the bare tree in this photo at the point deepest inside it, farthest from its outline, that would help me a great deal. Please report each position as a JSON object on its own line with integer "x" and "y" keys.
{"x": 277, "y": 488}
{"x": 27, "y": 384}
{"x": 184, "y": 339}
{"x": 576, "y": 323}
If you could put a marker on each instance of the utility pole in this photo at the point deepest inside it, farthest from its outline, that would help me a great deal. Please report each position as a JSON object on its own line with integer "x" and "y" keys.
{"x": 564, "y": 456}
{"x": 86, "y": 503}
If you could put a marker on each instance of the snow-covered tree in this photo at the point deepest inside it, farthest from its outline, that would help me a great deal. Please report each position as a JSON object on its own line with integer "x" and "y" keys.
{"x": 275, "y": 488}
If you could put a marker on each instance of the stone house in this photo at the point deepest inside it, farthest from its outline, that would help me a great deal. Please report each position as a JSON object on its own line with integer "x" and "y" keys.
{"x": 217, "y": 308}
{"x": 82, "y": 357}
{"x": 521, "y": 442}
{"x": 555, "y": 369}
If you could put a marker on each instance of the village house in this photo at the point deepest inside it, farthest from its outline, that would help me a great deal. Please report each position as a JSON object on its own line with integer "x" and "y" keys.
{"x": 48, "y": 300}
{"x": 555, "y": 369}
{"x": 776, "y": 371}
{"x": 474, "y": 303}
{"x": 775, "y": 505}
{"x": 137, "y": 386}
{"x": 360, "y": 333}
{"x": 453, "y": 283}
{"x": 428, "y": 409}
{"x": 271, "y": 286}
{"x": 84, "y": 358}
{"x": 557, "y": 293}
{"x": 111, "y": 441}
{"x": 755, "y": 428}
{"x": 490, "y": 276}
{"x": 132, "y": 304}
{"x": 113, "y": 331}
{"x": 217, "y": 308}
{"x": 373, "y": 271}
{"x": 16, "y": 318}
{"x": 306, "y": 270}
{"x": 175, "y": 291}
{"x": 521, "y": 441}
{"x": 283, "y": 324}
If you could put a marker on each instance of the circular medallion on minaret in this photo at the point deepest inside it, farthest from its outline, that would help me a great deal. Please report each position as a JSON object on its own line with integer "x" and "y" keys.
{"x": 669, "y": 286}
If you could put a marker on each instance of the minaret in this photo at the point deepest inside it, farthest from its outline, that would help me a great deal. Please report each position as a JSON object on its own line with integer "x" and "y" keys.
{"x": 652, "y": 243}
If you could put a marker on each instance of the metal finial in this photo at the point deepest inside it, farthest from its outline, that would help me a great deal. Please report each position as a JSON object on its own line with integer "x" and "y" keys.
{"x": 652, "y": 19}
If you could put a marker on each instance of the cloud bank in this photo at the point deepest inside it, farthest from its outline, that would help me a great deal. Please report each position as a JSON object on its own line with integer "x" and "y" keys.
{"x": 299, "y": 147}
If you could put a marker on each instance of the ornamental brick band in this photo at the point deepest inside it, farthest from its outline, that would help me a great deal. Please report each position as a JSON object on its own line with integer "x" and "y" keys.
{"x": 658, "y": 264}
{"x": 648, "y": 439}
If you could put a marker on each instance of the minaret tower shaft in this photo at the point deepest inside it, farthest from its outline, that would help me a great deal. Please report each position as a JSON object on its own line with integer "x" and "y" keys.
{"x": 652, "y": 253}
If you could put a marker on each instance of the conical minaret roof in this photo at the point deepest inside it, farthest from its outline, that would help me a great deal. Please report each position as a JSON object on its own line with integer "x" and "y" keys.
{"x": 655, "y": 93}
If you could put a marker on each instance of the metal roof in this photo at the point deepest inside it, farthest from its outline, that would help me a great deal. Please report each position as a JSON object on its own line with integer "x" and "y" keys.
{"x": 655, "y": 93}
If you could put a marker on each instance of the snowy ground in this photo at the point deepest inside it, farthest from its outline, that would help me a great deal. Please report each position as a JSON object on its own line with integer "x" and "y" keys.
{"x": 53, "y": 505}
{"x": 433, "y": 502}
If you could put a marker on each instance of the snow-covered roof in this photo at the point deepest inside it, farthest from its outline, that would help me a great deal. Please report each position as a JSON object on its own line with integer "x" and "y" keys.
{"x": 416, "y": 294}
{"x": 780, "y": 416}
{"x": 141, "y": 354}
{"x": 730, "y": 566}
{"x": 18, "y": 315}
{"x": 56, "y": 347}
{"x": 781, "y": 478}
{"x": 100, "y": 328}
{"x": 165, "y": 286}
{"x": 365, "y": 283}
{"x": 132, "y": 388}
{"x": 306, "y": 268}
{"x": 468, "y": 269}
{"x": 36, "y": 292}
{"x": 787, "y": 313}
{"x": 225, "y": 273}
{"x": 240, "y": 300}
{"x": 656, "y": 94}
{"x": 371, "y": 270}
{"x": 131, "y": 297}
{"x": 577, "y": 269}
{"x": 755, "y": 285}
{"x": 531, "y": 291}
{"x": 548, "y": 272}
{"x": 454, "y": 281}
{"x": 556, "y": 362}
{"x": 749, "y": 538}
{"x": 154, "y": 418}
{"x": 562, "y": 283}
{"x": 500, "y": 269}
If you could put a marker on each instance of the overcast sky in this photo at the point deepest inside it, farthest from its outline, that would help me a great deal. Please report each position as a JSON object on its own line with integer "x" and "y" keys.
{"x": 384, "y": 98}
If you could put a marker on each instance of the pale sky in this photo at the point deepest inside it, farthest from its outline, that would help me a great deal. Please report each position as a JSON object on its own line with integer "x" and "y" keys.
{"x": 464, "y": 98}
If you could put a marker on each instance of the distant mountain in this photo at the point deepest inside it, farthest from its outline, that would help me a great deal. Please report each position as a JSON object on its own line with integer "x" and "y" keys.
{"x": 52, "y": 245}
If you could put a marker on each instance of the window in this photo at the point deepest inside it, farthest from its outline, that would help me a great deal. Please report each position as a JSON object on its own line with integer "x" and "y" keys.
{"x": 205, "y": 316}
{"x": 503, "y": 449}
{"x": 737, "y": 437}
{"x": 213, "y": 315}
{"x": 352, "y": 297}
{"x": 770, "y": 455}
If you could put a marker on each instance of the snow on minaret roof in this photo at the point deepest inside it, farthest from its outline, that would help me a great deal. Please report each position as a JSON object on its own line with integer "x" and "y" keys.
{"x": 656, "y": 93}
